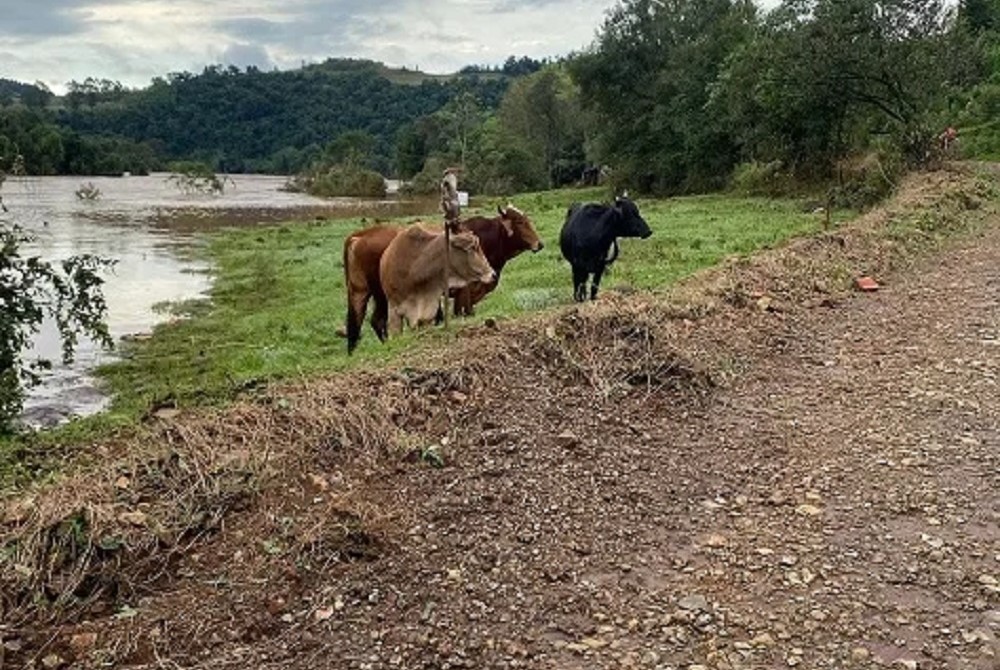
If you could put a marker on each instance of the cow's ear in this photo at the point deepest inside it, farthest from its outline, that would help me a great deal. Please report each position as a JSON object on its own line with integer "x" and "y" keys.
{"x": 507, "y": 225}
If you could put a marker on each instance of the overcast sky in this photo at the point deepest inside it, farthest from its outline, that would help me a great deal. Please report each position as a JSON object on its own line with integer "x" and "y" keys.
{"x": 132, "y": 41}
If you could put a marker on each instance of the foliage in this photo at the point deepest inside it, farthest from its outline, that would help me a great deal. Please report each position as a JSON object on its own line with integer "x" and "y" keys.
{"x": 798, "y": 95}
{"x": 15, "y": 91}
{"x": 428, "y": 180}
{"x": 196, "y": 177}
{"x": 980, "y": 16}
{"x": 501, "y": 164}
{"x": 49, "y": 149}
{"x": 648, "y": 82}
{"x": 355, "y": 148}
{"x": 32, "y": 290}
{"x": 541, "y": 115}
{"x": 979, "y": 113}
{"x": 249, "y": 120}
{"x": 513, "y": 66}
{"x": 88, "y": 192}
{"x": 340, "y": 180}
{"x": 765, "y": 179}
{"x": 534, "y": 141}
{"x": 91, "y": 92}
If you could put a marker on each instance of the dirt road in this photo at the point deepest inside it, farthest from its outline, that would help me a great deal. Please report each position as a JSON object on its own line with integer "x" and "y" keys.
{"x": 839, "y": 506}
{"x": 833, "y": 503}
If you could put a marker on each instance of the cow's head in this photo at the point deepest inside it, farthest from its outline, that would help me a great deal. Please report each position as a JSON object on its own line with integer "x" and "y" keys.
{"x": 468, "y": 264}
{"x": 630, "y": 223}
{"x": 519, "y": 228}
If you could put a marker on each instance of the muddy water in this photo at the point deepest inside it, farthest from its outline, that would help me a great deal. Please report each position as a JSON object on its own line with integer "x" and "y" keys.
{"x": 149, "y": 228}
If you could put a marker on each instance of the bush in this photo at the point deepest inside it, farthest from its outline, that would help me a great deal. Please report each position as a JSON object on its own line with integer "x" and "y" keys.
{"x": 195, "y": 177}
{"x": 428, "y": 180}
{"x": 867, "y": 179}
{"x": 339, "y": 181}
{"x": 767, "y": 179}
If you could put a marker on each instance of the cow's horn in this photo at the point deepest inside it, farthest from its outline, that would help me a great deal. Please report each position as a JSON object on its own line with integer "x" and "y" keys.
{"x": 500, "y": 210}
{"x": 624, "y": 194}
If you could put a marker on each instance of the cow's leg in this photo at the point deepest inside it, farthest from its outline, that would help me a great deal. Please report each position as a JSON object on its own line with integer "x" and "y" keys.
{"x": 597, "y": 281}
{"x": 579, "y": 283}
{"x": 357, "y": 303}
{"x": 380, "y": 317}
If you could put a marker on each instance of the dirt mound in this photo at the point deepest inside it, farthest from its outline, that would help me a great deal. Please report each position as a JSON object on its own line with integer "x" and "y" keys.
{"x": 354, "y": 492}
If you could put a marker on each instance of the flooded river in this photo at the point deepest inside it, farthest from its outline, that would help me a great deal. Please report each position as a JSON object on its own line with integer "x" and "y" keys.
{"x": 149, "y": 227}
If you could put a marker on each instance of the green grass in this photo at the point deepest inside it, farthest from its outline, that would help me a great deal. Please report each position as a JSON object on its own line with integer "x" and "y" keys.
{"x": 279, "y": 297}
{"x": 279, "y": 294}
{"x": 981, "y": 142}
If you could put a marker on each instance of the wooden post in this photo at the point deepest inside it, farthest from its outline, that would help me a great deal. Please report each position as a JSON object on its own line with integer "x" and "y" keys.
{"x": 451, "y": 209}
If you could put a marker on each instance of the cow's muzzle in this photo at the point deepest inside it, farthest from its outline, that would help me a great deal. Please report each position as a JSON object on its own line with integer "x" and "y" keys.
{"x": 538, "y": 247}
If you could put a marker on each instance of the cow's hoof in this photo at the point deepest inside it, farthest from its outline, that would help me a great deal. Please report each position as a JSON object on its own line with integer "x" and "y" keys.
{"x": 341, "y": 332}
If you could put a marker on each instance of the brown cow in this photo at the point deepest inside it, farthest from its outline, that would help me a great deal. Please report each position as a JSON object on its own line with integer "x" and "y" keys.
{"x": 503, "y": 237}
{"x": 362, "y": 252}
{"x": 412, "y": 272}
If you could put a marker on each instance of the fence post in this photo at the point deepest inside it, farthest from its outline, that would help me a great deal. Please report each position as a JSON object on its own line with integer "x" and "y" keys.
{"x": 451, "y": 209}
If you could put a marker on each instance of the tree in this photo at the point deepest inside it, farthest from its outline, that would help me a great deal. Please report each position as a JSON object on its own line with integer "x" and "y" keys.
{"x": 37, "y": 96}
{"x": 541, "y": 113}
{"x": 648, "y": 80}
{"x": 355, "y": 148}
{"x": 461, "y": 117}
{"x": 822, "y": 78}
{"x": 980, "y": 16}
{"x": 32, "y": 290}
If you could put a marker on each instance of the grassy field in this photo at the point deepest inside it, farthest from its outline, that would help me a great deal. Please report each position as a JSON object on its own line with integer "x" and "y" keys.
{"x": 279, "y": 293}
{"x": 279, "y": 298}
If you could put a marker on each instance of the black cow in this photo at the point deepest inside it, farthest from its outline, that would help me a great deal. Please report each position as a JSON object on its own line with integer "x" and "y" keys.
{"x": 589, "y": 239}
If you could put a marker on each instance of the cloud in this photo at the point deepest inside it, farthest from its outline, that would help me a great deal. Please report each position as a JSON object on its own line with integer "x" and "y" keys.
{"x": 136, "y": 40}
{"x": 24, "y": 20}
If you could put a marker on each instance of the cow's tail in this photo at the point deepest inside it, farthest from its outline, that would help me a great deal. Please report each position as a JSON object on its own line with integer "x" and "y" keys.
{"x": 613, "y": 252}
{"x": 354, "y": 318}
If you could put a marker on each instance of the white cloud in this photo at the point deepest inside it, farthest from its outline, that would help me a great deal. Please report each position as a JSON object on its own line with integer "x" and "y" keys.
{"x": 134, "y": 40}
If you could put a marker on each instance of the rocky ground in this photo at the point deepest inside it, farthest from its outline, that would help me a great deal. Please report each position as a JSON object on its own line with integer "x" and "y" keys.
{"x": 827, "y": 495}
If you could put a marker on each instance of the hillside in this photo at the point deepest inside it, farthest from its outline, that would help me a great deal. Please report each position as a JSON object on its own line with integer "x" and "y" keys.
{"x": 271, "y": 121}
{"x": 762, "y": 468}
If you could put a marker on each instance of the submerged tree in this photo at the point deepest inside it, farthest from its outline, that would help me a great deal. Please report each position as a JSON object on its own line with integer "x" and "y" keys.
{"x": 194, "y": 177}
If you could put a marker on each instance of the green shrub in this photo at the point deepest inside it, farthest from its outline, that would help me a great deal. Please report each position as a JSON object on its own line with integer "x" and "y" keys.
{"x": 768, "y": 179}
{"x": 340, "y": 181}
{"x": 428, "y": 180}
{"x": 866, "y": 179}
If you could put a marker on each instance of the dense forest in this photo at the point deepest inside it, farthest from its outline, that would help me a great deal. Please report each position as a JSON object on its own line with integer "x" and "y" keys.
{"x": 234, "y": 120}
{"x": 672, "y": 96}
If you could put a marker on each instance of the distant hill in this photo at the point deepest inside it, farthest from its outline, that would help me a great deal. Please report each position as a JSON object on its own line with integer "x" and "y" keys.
{"x": 252, "y": 120}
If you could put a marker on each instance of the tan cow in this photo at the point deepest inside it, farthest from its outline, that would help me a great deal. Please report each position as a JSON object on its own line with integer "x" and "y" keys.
{"x": 412, "y": 272}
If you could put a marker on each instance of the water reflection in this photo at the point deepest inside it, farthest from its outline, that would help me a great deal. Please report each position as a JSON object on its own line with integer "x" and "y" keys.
{"x": 147, "y": 226}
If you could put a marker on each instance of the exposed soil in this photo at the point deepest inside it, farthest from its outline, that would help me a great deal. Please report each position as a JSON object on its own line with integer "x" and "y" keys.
{"x": 777, "y": 472}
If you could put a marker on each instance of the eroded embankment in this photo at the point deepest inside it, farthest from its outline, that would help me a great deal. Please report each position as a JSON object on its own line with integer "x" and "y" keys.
{"x": 262, "y": 509}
